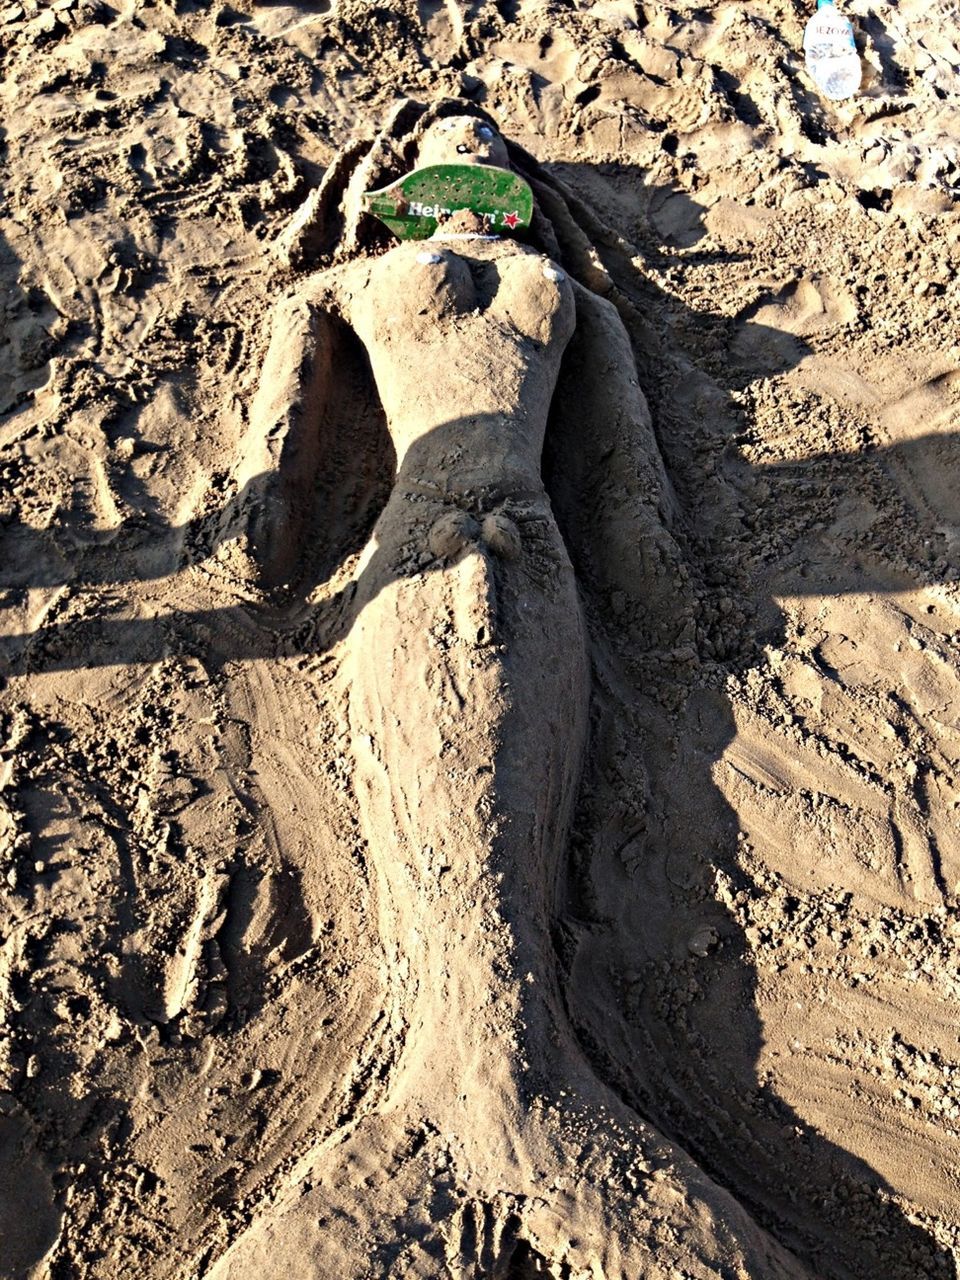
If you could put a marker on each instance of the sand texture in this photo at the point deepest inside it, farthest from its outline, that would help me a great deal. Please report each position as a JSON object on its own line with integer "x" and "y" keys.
{"x": 479, "y": 729}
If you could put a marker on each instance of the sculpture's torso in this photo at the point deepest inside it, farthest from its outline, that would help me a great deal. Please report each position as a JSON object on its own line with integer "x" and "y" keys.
{"x": 465, "y": 351}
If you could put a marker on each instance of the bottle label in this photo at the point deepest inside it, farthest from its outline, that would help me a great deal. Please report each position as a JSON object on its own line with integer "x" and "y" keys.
{"x": 828, "y": 28}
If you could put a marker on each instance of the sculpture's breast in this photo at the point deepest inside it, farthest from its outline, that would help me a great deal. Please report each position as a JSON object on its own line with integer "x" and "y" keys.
{"x": 429, "y": 286}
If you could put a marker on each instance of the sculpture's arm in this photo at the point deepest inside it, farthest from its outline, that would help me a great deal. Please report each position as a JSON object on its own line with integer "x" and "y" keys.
{"x": 284, "y": 442}
{"x": 609, "y": 489}
{"x": 280, "y": 451}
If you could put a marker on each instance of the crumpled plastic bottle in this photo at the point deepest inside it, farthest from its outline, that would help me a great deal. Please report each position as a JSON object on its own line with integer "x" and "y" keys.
{"x": 831, "y": 53}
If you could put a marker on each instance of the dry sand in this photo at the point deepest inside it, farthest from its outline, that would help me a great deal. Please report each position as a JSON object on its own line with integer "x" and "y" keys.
{"x": 238, "y": 1038}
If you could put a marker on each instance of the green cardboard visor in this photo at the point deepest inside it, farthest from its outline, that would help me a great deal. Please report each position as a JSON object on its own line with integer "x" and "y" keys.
{"x": 414, "y": 206}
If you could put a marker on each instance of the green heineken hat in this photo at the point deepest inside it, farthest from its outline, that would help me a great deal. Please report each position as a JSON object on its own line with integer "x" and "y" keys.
{"x": 413, "y": 206}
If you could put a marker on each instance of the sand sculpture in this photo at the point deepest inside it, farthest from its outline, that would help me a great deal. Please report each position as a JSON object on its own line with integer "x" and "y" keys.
{"x": 755, "y": 924}
{"x": 495, "y": 1150}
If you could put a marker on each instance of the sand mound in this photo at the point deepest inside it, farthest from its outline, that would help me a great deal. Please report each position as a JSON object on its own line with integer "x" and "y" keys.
{"x": 213, "y": 1002}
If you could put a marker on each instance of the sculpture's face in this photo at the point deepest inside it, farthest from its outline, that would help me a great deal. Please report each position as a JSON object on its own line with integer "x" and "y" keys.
{"x": 462, "y": 140}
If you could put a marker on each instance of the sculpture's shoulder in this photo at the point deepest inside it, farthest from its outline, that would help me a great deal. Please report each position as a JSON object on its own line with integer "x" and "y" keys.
{"x": 330, "y": 290}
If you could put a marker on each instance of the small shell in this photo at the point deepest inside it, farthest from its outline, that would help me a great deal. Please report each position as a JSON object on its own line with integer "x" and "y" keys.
{"x": 704, "y": 941}
{"x": 452, "y": 534}
{"x": 553, "y": 273}
{"x": 502, "y": 536}
{"x": 428, "y": 257}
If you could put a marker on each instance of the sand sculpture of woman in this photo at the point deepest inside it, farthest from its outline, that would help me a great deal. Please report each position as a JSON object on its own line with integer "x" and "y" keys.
{"x": 494, "y": 1149}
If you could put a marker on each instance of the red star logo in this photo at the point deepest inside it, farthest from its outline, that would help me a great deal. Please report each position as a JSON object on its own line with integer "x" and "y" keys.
{"x": 510, "y": 220}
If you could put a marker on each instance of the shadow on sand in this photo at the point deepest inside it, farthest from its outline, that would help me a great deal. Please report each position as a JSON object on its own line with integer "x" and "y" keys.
{"x": 861, "y": 1239}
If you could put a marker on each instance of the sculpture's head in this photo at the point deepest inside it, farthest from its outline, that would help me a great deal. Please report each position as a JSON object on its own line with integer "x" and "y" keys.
{"x": 332, "y": 227}
{"x": 461, "y": 139}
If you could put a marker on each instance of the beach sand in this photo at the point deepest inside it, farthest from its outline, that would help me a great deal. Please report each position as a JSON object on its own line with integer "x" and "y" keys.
{"x": 754, "y": 933}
